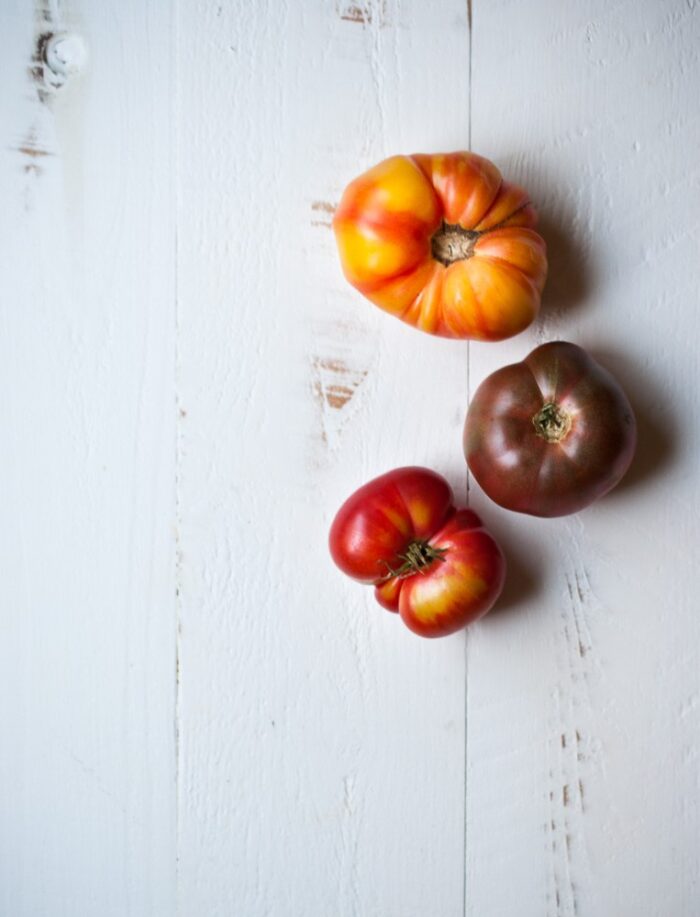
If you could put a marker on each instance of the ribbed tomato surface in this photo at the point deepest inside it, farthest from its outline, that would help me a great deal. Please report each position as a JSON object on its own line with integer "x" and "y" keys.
{"x": 443, "y": 243}
{"x": 434, "y": 564}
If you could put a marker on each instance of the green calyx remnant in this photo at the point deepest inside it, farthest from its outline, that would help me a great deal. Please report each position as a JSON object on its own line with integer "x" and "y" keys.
{"x": 452, "y": 243}
{"x": 551, "y": 423}
{"x": 419, "y": 555}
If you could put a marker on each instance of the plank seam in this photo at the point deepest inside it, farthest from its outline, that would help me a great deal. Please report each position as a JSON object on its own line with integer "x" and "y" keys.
{"x": 179, "y": 416}
{"x": 470, "y": 23}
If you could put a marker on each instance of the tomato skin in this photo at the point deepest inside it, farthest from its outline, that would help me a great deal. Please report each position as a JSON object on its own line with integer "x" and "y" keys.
{"x": 376, "y": 527}
{"x": 593, "y": 433}
{"x": 396, "y": 228}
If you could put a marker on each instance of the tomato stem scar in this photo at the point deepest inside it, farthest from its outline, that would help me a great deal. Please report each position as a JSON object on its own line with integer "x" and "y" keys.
{"x": 551, "y": 423}
{"x": 453, "y": 243}
{"x": 418, "y": 556}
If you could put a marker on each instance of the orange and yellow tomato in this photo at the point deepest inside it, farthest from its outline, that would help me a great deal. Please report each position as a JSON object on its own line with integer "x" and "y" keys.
{"x": 443, "y": 243}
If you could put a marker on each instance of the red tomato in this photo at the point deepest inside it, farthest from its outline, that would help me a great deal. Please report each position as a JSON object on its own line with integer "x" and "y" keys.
{"x": 550, "y": 435}
{"x": 436, "y": 565}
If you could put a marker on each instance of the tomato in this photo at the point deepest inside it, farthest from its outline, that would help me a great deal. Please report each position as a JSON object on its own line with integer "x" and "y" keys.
{"x": 550, "y": 435}
{"x": 436, "y": 565}
{"x": 443, "y": 243}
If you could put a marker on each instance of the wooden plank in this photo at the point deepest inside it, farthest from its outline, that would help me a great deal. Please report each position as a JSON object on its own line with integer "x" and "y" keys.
{"x": 322, "y": 745}
{"x": 583, "y": 697}
{"x": 321, "y": 762}
{"x": 87, "y": 467}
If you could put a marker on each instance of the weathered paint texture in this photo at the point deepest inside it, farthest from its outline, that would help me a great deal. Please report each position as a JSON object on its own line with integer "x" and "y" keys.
{"x": 201, "y": 715}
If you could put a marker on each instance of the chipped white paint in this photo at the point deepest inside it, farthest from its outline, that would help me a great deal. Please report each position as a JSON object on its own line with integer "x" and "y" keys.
{"x": 322, "y": 744}
{"x": 87, "y": 465}
{"x": 318, "y": 759}
{"x": 582, "y": 771}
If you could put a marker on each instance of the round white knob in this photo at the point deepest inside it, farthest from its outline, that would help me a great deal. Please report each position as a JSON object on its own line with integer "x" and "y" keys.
{"x": 65, "y": 54}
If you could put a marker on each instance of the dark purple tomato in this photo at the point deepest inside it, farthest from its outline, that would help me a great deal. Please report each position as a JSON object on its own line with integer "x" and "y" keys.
{"x": 550, "y": 435}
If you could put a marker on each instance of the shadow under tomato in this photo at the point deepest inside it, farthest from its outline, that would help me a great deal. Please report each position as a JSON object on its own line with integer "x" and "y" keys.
{"x": 657, "y": 430}
{"x": 524, "y": 569}
{"x": 571, "y": 271}
{"x": 571, "y": 247}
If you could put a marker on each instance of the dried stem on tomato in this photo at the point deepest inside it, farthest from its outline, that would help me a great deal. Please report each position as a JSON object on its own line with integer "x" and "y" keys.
{"x": 418, "y": 557}
{"x": 551, "y": 423}
{"x": 453, "y": 243}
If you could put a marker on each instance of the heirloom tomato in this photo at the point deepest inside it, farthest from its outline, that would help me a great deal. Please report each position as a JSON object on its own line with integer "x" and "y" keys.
{"x": 432, "y": 563}
{"x": 550, "y": 435}
{"x": 443, "y": 243}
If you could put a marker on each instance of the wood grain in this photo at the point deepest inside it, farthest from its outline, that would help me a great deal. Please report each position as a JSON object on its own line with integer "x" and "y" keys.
{"x": 582, "y": 773}
{"x": 201, "y": 715}
{"x": 322, "y": 745}
{"x": 87, "y": 466}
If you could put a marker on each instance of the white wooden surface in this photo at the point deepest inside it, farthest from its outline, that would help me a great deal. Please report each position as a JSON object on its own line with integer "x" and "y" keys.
{"x": 200, "y": 715}
{"x": 87, "y": 468}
